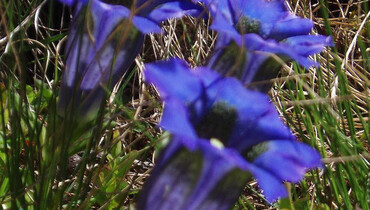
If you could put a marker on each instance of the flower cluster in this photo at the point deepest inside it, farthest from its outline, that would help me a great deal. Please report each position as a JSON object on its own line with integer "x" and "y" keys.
{"x": 103, "y": 42}
{"x": 251, "y": 32}
{"x": 221, "y": 134}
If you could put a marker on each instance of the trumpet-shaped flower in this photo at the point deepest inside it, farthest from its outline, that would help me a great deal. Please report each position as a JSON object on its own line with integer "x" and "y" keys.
{"x": 256, "y": 29}
{"x": 221, "y": 133}
{"x": 103, "y": 42}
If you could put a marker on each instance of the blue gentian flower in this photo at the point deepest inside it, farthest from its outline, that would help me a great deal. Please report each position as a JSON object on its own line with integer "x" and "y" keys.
{"x": 250, "y": 31}
{"x": 103, "y": 42}
{"x": 221, "y": 133}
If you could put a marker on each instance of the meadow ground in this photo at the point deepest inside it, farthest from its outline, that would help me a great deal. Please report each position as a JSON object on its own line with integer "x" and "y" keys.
{"x": 47, "y": 163}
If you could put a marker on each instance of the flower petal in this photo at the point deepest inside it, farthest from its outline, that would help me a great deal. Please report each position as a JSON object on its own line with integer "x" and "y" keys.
{"x": 175, "y": 119}
{"x": 267, "y": 13}
{"x": 256, "y": 43}
{"x": 206, "y": 75}
{"x": 189, "y": 179}
{"x": 175, "y": 9}
{"x": 309, "y": 44}
{"x": 257, "y": 121}
{"x": 290, "y": 26}
{"x": 146, "y": 25}
{"x": 271, "y": 186}
{"x": 71, "y": 2}
{"x": 171, "y": 184}
{"x": 174, "y": 79}
{"x": 222, "y": 179}
{"x": 95, "y": 39}
{"x": 288, "y": 160}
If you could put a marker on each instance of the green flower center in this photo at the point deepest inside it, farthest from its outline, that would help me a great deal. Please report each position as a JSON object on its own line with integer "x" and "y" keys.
{"x": 218, "y": 123}
{"x": 246, "y": 25}
{"x": 253, "y": 152}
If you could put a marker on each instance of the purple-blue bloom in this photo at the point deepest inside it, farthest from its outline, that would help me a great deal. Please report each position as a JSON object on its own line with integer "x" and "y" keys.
{"x": 103, "y": 42}
{"x": 220, "y": 134}
{"x": 260, "y": 28}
